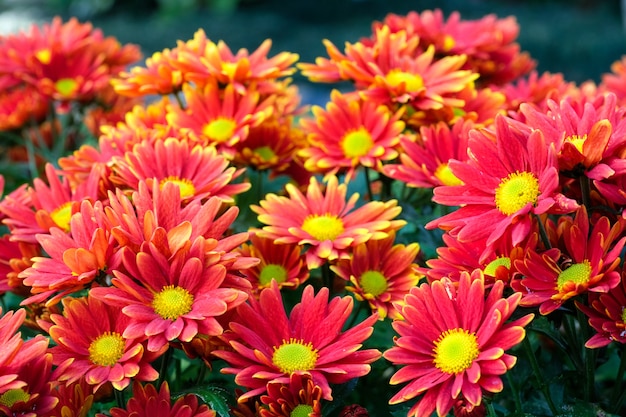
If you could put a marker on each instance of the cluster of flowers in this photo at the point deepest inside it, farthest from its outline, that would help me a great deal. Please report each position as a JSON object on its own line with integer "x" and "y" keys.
{"x": 214, "y": 222}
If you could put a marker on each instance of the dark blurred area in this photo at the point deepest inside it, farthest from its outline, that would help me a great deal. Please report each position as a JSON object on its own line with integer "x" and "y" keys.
{"x": 578, "y": 38}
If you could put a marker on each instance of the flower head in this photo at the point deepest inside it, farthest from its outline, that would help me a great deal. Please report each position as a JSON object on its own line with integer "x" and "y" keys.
{"x": 300, "y": 397}
{"x": 325, "y": 220}
{"x": 269, "y": 345}
{"x": 452, "y": 342}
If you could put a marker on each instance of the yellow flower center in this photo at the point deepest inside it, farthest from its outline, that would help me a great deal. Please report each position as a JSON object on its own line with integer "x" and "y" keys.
{"x": 491, "y": 267}
{"x": 62, "y": 215}
{"x": 66, "y": 87}
{"x": 172, "y": 302}
{"x": 184, "y": 185}
{"x": 455, "y": 350}
{"x": 294, "y": 355}
{"x": 357, "y": 143}
{"x": 373, "y": 282}
{"x": 272, "y": 271}
{"x": 13, "y": 396}
{"x": 577, "y": 141}
{"x": 265, "y": 153}
{"x": 107, "y": 349}
{"x": 448, "y": 43}
{"x": 301, "y": 410}
{"x": 220, "y": 129}
{"x": 515, "y": 191}
{"x": 44, "y": 56}
{"x": 229, "y": 68}
{"x": 445, "y": 175}
{"x": 324, "y": 227}
{"x": 576, "y": 273}
{"x": 413, "y": 82}
{"x": 624, "y": 314}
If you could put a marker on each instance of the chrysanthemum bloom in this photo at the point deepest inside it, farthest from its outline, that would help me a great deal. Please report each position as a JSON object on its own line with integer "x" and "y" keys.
{"x": 282, "y": 263}
{"x": 488, "y": 42}
{"x": 455, "y": 257}
{"x": 588, "y": 136}
{"x": 452, "y": 342}
{"x": 614, "y": 80}
{"x": 350, "y": 134}
{"x": 536, "y": 89}
{"x": 424, "y": 162}
{"x": 592, "y": 259}
{"x": 199, "y": 171}
{"x": 65, "y": 61}
{"x": 10, "y": 343}
{"x": 75, "y": 259}
{"x": 219, "y": 117}
{"x": 269, "y": 346}
{"x": 147, "y": 402}
{"x": 172, "y": 290}
{"x": 75, "y": 399}
{"x": 300, "y": 397}
{"x": 270, "y": 146}
{"x": 606, "y": 313}
{"x": 38, "y": 208}
{"x": 509, "y": 176}
{"x": 33, "y": 367}
{"x": 201, "y": 60}
{"x": 90, "y": 343}
{"x": 21, "y": 106}
{"x": 325, "y": 220}
{"x": 381, "y": 272}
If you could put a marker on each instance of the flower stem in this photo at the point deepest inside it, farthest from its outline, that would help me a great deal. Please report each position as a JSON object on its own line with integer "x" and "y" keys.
{"x": 619, "y": 379}
{"x": 542, "y": 232}
{"x": 538, "y": 375}
{"x": 585, "y": 190}
{"x": 368, "y": 182}
{"x": 589, "y": 357}
{"x": 516, "y": 396}
{"x": 490, "y": 410}
{"x": 119, "y": 398}
{"x": 165, "y": 362}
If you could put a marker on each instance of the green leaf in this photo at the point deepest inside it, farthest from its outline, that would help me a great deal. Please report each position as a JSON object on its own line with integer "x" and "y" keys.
{"x": 213, "y": 396}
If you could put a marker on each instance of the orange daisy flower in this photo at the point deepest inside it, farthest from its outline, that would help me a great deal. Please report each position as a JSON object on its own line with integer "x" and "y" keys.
{"x": 147, "y": 402}
{"x": 424, "y": 162}
{"x": 281, "y": 263}
{"x": 510, "y": 174}
{"x": 381, "y": 273}
{"x": 173, "y": 289}
{"x": 33, "y": 210}
{"x": 75, "y": 399}
{"x": 266, "y": 342}
{"x": 325, "y": 220}
{"x": 199, "y": 171}
{"x": 585, "y": 260}
{"x": 606, "y": 315}
{"x": 488, "y": 42}
{"x": 350, "y": 134}
{"x": 219, "y": 117}
{"x": 75, "y": 259}
{"x": 452, "y": 342}
{"x": 21, "y": 106}
{"x": 90, "y": 342}
{"x": 299, "y": 397}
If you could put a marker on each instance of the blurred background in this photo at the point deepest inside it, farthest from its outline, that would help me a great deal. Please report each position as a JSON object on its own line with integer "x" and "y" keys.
{"x": 578, "y": 38}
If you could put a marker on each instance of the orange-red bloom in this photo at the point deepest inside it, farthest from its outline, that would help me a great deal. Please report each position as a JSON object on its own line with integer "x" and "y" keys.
{"x": 325, "y": 220}
{"x": 349, "y": 134}
{"x": 148, "y": 402}
{"x": 382, "y": 273}
{"x": 90, "y": 343}
{"x": 452, "y": 342}
{"x": 269, "y": 346}
{"x": 299, "y": 397}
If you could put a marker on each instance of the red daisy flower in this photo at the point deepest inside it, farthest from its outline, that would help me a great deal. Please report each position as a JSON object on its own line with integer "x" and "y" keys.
{"x": 510, "y": 175}
{"x": 325, "y": 220}
{"x": 10, "y": 344}
{"x": 21, "y": 106}
{"x": 75, "y": 259}
{"x": 173, "y": 289}
{"x": 424, "y": 162}
{"x": 586, "y": 259}
{"x": 350, "y": 134}
{"x": 300, "y": 397}
{"x": 607, "y": 315}
{"x": 381, "y": 273}
{"x": 452, "y": 342}
{"x": 147, "y": 402}
{"x": 281, "y": 263}
{"x": 75, "y": 399}
{"x": 269, "y": 346}
{"x": 219, "y": 117}
{"x": 199, "y": 171}
{"x": 90, "y": 343}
